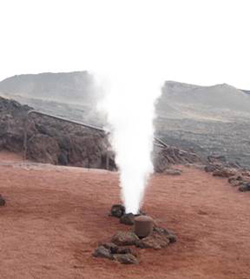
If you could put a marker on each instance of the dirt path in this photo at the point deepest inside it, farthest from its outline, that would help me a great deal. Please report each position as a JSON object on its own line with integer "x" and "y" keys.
{"x": 55, "y": 217}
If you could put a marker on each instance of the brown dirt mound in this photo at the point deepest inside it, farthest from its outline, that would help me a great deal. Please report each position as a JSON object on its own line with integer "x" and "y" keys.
{"x": 55, "y": 217}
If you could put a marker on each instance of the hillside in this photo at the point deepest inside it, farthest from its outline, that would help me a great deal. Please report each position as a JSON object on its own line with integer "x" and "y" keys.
{"x": 204, "y": 119}
{"x": 69, "y": 95}
{"x": 208, "y": 120}
{"x": 219, "y": 102}
{"x": 61, "y": 87}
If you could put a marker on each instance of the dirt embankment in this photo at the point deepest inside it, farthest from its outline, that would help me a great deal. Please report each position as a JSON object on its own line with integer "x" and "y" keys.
{"x": 55, "y": 216}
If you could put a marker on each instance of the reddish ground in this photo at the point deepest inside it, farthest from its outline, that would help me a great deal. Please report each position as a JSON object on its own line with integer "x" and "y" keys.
{"x": 55, "y": 217}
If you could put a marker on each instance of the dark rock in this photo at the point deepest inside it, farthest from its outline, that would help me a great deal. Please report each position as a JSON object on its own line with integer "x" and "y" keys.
{"x": 112, "y": 247}
{"x": 233, "y": 178}
{"x": 158, "y": 239}
{"x": 125, "y": 238}
{"x": 225, "y": 172}
{"x": 102, "y": 252}
{"x": 235, "y": 182}
{"x": 166, "y": 156}
{"x": 2, "y": 201}
{"x": 246, "y": 173}
{"x": 154, "y": 240}
{"x": 170, "y": 235}
{"x": 117, "y": 210}
{"x": 126, "y": 258}
{"x": 245, "y": 187}
{"x": 128, "y": 219}
{"x": 211, "y": 168}
{"x": 123, "y": 250}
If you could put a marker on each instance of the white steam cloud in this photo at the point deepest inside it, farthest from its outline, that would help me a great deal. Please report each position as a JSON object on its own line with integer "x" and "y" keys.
{"x": 129, "y": 103}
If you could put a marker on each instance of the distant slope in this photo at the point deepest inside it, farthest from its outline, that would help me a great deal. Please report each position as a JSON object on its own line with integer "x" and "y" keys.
{"x": 246, "y": 91}
{"x": 206, "y": 119}
{"x": 218, "y": 102}
{"x": 61, "y": 87}
{"x": 69, "y": 95}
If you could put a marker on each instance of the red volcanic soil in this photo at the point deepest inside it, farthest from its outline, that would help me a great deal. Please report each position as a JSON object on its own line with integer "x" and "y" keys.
{"x": 55, "y": 217}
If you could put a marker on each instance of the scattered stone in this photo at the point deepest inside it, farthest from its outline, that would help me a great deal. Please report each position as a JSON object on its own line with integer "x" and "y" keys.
{"x": 126, "y": 258}
{"x": 235, "y": 183}
{"x": 154, "y": 241}
{"x": 2, "y": 201}
{"x": 245, "y": 187}
{"x": 117, "y": 210}
{"x": 246, "y": 173}
{"x": 235, "y": 178}
{"x": 225, "y": 172}
{"x": 123, "y": 250}
{"x": 211, "y": 168}
{"x": 172, "y": 172}
{"x": 128, "y": 219}
{"x": 112, "y": 247}
{"x": 102, "y": 252}
{"x": 170, "y": 235}
{"x": 125, "y": 238}
{"x": 160, "y": 238}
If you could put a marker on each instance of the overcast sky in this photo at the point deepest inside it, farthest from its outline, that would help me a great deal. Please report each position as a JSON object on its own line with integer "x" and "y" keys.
{"x": 194, "y": 41}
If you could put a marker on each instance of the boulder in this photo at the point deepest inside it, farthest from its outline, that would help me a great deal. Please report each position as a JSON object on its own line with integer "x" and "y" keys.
{"x": 159, "y": 238}
{"x": 126, "y": 258}
{"x": 117, "y": 210}
{"x": 211, "y": 168}
{"x": 128, "y": 219}
{"x": 170, "y": 235}
{"x": 125, "y": 238}
{"x": 154, "y": 240}
{"x": 112, "y": 247}
{"x": 102, "y": 252}
{"x": 244, "y": 187}
{"x": 225, "y": 172}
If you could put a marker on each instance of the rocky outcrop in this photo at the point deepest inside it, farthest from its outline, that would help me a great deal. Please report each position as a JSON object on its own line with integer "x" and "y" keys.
{"x": 50, "y": 140}
{"x": 236, "y": 176}
{"x": 165, "y": 157}
{"x": 225, "y": 172}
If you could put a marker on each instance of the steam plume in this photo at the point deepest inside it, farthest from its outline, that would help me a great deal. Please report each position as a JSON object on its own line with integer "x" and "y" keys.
{"x": 129, "y": 104}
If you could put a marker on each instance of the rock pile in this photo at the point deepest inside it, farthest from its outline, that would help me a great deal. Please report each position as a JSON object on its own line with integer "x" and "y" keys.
{"x": 118, "y": 211}
{"x": 123, "y": 244}
{"x": 236, "y": 176}
{"x": 165, "y": 157}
